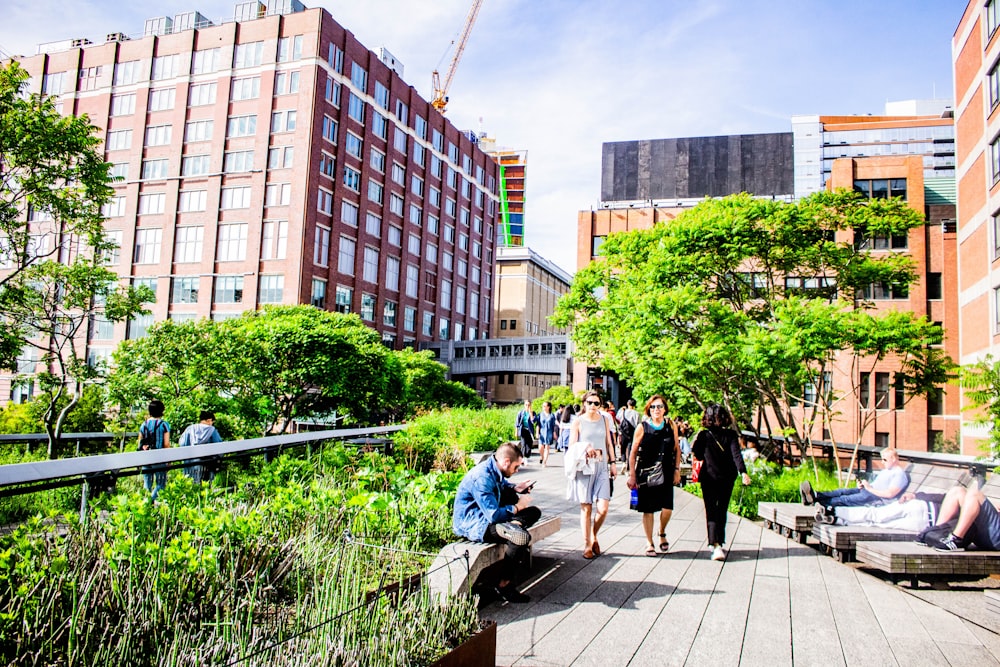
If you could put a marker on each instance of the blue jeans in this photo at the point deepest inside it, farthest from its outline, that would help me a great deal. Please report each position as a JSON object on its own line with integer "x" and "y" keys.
{"x": 161, "y": 481}
{"x": 848, "y": 498}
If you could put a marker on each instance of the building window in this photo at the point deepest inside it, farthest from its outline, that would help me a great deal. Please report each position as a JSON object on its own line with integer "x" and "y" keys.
{"x": 381, "y": 95}
{"x": 356, "y": 108}
{"x": 317, "y": 295}
{"x": 112, "y": 256}
{"x": 373, "y": 225}
{"x": 392, "y": 265}
{"x": 119, "y": 171}
{"x": 935, "y": 401}
{"x": 409, "y": 319}
{"x": 154, "y": 169}
{"x": 274, "y": 239}
{"x": 389, "y": 313}
{"x": 992, "y": 17}
{"x": 283, "y": 121}
{"x": 123, "y": 105}
{"x": 188, "y": 244}
{"x": 152, "y": 204}
{"x": 242, "y": 126}
{"x": 995, "y": 159}
{"x": 271, "y": 289}
{"x": 235, "y": 198}
{"x": 375, "y": 192}
{"x": 412, "y": 281}
{"x": 443, "y": 328}
{"x": 352, "y": 179}
{"x": 289, "y": 48}
{"x": 321, "y": 246}
{"x": 229, "y": 289}
{"x": 198, "y": 130}
{"x": 396, "y": 204}
{"x": 329, "y": 129}
{"x": 158, "y": 135}
{"x": 431, "y": 253}
{"x": 343, "y": 299}
{"x": 996, "y": 235}
{"x": 369, "y": 269}
{"x": 138, "y": 327}
{"x": 232, "y": 242}
{"x": 359, "y": 77}
{"x": 335, "y": 58}
{"x": 378, "y": 161}
{"x": 235, "y": 162}
{"x": 332, "y": 94}
{"x": 474, "y": 305}
{"x": 446, "y": 294}
{"x": 161, "y": 100}
{"x": 250, "y": 54}
{"x": 202, "y": 94}
{"x": 327, "y": 165}
{"x": 278, "y": 194}
{"x": 881, "y": 439}
{"x": 380, "y": 126}
{"x": 934, "y": 286}
{"x": 395, "y": 236}
{"x": 864, "y": 389}
{"x": 195, "y": 165}
{"x": 430, "y": 286}
{"x": 413, "y": 245}
{"x": 184, "y": 290}
{"x": 415, "y": 215}
{"x": 245, "y": 89}
{"x": 427, "y": 326}
{"x": 205, "y": 62}
{"x": 345, "y": 255}
{"x": 354, "y": 145}
{"x": 898, "y": 391}
{"x": 460, "y": 300}
{"x": 281, "y": 157}
{"x": 399, "y": 140}
{"x": 881, "y": 391}
{"x": 324, "y": 201}
{"x": 127, "y": 72}
{"x": 368, "y": 307}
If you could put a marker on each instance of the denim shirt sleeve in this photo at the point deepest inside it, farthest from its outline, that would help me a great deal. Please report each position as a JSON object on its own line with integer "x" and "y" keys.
{"x": 477, "y": 503}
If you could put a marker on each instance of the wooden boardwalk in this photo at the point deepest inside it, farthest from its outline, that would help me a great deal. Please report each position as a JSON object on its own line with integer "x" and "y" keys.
{"x": 773, "y": 602}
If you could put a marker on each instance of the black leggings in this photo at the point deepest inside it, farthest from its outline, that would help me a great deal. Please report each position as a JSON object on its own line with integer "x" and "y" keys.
{"x": 716, "y": 494}
{"x": 515, "y": 558}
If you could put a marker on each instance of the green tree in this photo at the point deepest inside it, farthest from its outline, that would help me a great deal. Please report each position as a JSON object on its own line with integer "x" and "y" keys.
{"x": 981, "y": 382}
{"x": 699, "y": 309}
{"x": 557, "y": 395}
{"x": 426, "y": 387}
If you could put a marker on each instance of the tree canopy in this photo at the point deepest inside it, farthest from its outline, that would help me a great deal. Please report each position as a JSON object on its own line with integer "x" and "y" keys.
{"x": 699, "y": 309}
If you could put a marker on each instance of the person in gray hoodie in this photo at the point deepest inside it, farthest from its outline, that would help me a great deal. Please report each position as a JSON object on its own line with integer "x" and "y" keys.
{"x": 199, "y": 434}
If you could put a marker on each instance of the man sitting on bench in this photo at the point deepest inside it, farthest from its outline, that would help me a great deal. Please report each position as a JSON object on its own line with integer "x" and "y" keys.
{"x": 488, "y": 508}
{"x": 978, "y": 521}
{"x": 913, "y": 512}
{"x": 888, "y": 484}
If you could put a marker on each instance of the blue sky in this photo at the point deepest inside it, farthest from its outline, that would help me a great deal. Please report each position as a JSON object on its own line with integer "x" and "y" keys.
{"x": 560, "y": 77}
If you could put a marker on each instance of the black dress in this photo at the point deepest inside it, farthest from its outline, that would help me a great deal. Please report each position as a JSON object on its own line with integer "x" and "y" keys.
{"x": 656, "y": 445}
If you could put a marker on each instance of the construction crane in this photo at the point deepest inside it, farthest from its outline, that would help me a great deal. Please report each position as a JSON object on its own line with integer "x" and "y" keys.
{"x": 440, "y": 100}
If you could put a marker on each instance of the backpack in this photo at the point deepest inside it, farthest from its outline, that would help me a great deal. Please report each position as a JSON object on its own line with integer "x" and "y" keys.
{"x": 626, "y": 430}
{"x": 147, "y": 437}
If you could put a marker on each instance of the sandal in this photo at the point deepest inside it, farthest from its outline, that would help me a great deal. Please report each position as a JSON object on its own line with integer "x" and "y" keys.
{"x": 651, "y": 551}
{"x": 664, "y": 545}
{"x": 596, "y": 548}
{"x": 588, "y": 554}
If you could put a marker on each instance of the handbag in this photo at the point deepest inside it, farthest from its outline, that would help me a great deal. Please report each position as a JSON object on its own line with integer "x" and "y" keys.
{"x": 695, "y": 469}
{"x": 651, "y": 476}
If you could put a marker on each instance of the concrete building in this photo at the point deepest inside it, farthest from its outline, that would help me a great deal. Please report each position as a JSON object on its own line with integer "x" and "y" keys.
{"x": 273, "y": 158}
{"x": 975, "y": 53}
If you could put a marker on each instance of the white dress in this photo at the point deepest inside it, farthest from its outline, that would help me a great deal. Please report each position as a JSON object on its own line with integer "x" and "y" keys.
{"x": 588, "y": 488}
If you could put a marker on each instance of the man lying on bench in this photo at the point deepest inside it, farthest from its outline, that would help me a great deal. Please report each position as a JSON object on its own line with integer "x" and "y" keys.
{"x": 888, "y": 484}
{"x": 978, "y": 522}
{"x": 913, "y": 512}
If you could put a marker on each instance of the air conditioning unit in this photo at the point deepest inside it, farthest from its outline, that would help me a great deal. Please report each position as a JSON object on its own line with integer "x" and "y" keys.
{"x": 116, "y": 37}
{"x": 83, "y": 41}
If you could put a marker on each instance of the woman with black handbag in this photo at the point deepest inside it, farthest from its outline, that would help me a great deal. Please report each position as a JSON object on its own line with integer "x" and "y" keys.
{"x": 717, "y": 446}
{"x": 654, "y": 468}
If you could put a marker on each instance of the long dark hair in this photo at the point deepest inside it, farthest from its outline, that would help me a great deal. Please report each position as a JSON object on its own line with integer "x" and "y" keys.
{"x": 717, "y": 415}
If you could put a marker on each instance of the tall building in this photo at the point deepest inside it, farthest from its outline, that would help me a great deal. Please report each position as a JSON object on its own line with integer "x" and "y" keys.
{"x": 975, "y": 53}
{"x": 274, "y": 159}
{"x": 513, "y": 169}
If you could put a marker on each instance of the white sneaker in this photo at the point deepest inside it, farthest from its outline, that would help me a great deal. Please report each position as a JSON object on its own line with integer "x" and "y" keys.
{"x": 718, "y": 554}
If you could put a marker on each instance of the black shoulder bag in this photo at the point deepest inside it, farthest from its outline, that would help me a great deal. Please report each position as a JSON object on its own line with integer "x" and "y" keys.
{"x": 652, "y": 476}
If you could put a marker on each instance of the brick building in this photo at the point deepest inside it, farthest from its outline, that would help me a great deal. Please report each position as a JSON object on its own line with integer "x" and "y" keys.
{"x": 274, "y": 159}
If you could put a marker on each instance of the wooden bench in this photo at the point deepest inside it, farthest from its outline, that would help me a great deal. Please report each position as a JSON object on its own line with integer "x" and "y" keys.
{"x": 913, "y": 562}
{"x": 793, "y": 520}
{"x": 840, "y": 541}
{"x": 450, "y": 573}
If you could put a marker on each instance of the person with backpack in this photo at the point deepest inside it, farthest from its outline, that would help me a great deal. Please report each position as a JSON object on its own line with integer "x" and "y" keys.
{"x": 200, "y": 433}
{"x": 154, "y": 434}
{"x": 628, "y": 422}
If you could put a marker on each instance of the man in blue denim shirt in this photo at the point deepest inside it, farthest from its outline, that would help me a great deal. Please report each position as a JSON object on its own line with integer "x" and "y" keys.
{"x": 488, "y": 508}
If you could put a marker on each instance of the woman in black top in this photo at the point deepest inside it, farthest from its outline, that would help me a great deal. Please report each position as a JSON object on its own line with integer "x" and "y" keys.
{"x": 718, "y": 447}
{"x": 655, "y": 440}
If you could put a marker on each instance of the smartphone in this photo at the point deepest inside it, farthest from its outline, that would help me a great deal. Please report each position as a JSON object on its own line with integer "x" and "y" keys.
{"x": 530, "y": 486}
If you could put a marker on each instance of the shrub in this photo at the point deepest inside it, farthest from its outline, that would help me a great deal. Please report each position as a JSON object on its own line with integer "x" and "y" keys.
{"x": 440, "y": 440}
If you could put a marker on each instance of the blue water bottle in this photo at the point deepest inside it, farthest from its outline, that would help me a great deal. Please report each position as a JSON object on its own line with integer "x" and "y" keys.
{"x": 634, "y": 499}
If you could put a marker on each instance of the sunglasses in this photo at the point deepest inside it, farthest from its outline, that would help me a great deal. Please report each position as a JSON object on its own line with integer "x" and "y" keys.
{"x": 592, "y": 402}
{"x": 657, "y": 407}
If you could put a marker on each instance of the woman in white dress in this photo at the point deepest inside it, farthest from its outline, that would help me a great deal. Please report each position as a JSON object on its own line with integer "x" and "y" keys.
{"x": 590, "y": 465}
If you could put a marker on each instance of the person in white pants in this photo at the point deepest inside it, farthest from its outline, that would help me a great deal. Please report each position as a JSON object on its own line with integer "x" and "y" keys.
{"x": 912, "y": 512}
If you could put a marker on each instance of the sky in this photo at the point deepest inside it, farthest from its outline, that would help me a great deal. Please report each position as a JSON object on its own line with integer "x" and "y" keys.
{"x": 558, "y": 78}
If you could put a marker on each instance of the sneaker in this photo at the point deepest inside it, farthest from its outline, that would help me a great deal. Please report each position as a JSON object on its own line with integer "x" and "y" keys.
{"x": 718, "y": 553}
{"x": 825, "y": 516}
{"x": 950, "y": 543}
{"x": 806, "y": 493}
{"x": 510, "y": 594}
{"x": 514, "y": 533}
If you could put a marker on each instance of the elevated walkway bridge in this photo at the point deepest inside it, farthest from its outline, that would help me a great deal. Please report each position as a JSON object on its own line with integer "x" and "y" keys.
{"x": 538, "y": 355}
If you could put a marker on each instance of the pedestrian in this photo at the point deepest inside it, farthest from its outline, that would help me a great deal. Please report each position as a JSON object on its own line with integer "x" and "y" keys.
{"x": 655, "y": 442}
{"x": 201, "y": 433}
{"x": 590, "y": 465}
{"x": 628, "y": 424}
{"x": 546, "y": 431}
{"x": 154, "y": 434}
{"x": 717, "y": 446}
{"x": 488, "y": 508}
{"x": 525, "y": 427}
{"x": 566, "y": 417}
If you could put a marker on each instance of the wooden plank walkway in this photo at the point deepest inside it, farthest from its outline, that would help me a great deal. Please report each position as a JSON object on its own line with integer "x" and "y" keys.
{"x": 773, "y": 602}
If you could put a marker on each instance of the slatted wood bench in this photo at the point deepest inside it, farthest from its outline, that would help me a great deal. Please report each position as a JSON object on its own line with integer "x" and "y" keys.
{"x": 915, "y": 562}
{"x": 450, "y": 575}
{"x": 840, "y": 541}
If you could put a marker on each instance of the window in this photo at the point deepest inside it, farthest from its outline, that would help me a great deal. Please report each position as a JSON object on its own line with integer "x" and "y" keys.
{"x": 289, "y": 48}
{"x": 398, "y": 173}
{"x": 433, "y": 224}
{"x": 158, "y": 135}
{"x": 396, "y": 204}
{"x": 324, "y": 201}
{"x": 430, "y": 286}
{"x": 992, "y": 17}
{"x": 883, "y": 290}
{"x": 204, "y": 62}
{"x": 354, "y": 145}
{"x": 229, "y": 289}
{"x": 410, "y": 318}
{"x": 389, "y": 313}
{"x": 463, "y": 241}
{"x": 413, "y": 245}
{"x": 443, "y": 328}
{"x": 380, "y": 126}
{"x": 416, "y": 215}
{"x": 373, "y": 225}
{"x": 195, "y": 165}
{"x": 345, "y": 256}
{"x": 995, "y": 159}
{"x": 359, "y": 77}
{"x": 447, "y": 261}
{"x": 934, "y": 286}
{"x": 996, "y": 235}
{"x": 283, "y": 121}
{"x": 381, "y": 95}
{"x": 184, "y": 290}
{"x": 344, "y": 298}
{"x": 332, "y": 94}
{"x": 881, "y": 391}
{"x": 412, "y": 281}
{"x": 352, "y": 179}
{"x": 994, "y": 85}
{"x": 202, "y": 94}
{"x": 271, "y": 289}
{"x": 899, "y": 391}
{"x": 278, "y": 194}
{"x": 438, "y": 140}
{"x": 449, "y": 207}
{"x": 198, "y": 130}
{"x": 475, "y": 274}
{"x": 392, "y": 265}
{"x": 104, "y": 329}
{"x": 356, "y": 108}
{"x": 446, "y": 294}
{"x": 453, "y": 156}
{"x": 123, "y": 105}
{"x": 274, "y": 239}
{"x": 188, "y": 244}
{"x": 474, "y": 304}
{"x": 370, "y": 267}
{"x": 378, "y": 161}
{"x": 327, "y": 165}
{"x": 427, "y": 328}
{"x": 329, "y": 129}
{"x": 112, "y": 256}
{"x": 138, "y": 327}
{"x": 242, "y": 126}
{"x": 431, "y": 254}
{"x": 463, "y": 268}
{"x": 152, "y": 204}
{"x": 349, "y": 213}
{"x": 247, "y": 88}
{"x": 864, "y": 389}
{"x": 395, "y": 236}
{"x": 147, "y": 246}
{"x": 452, "y": 178}
{"x": 248, "y": 55}
{"x": 52, "y": 84}
{"x": 237, "y": 162}
{"x": 996, "y": 310}
{"x": 935, "y": 401}
{"x": 280, "y": 157}
{"x": 235, "y": 198}
{"x": 335, "y": 58}
{"x": 449, "y": 233}
{"x": 317, "y": 295}
{"x": 321, "y": 246}
{"x": 161, "y": 100}
{"x": 89, "y": 77}
{"x": 417, "y": 185}
{"x": 399, "y": 140}
{"x": 119, "y": 170}
{"x": 375, "y": 192}
{"x": 434, "y": 197}
{"x": 402, "y": 112}
{"x": 154, "y": 168}
{"x": 368, "y": 307}
{"x": 127, "y": 72}
{"x": 232, "y": 242}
